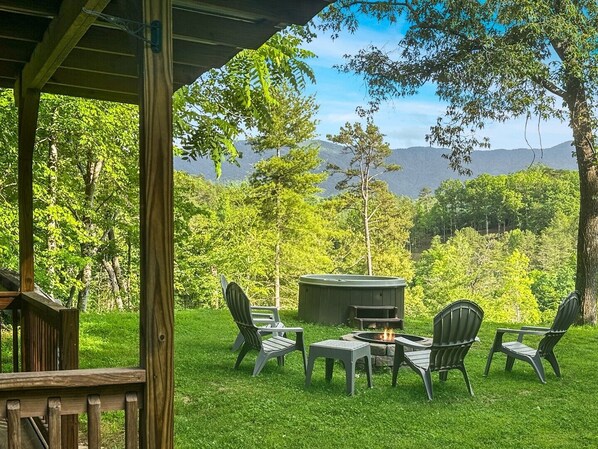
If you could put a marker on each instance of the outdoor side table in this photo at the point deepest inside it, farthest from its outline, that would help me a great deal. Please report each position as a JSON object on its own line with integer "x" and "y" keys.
{"x": 346, "y": 351}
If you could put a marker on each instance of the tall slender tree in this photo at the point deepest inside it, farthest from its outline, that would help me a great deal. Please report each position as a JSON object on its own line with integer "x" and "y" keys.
{"x": 368, "y": 153}
{"x": 285, "y": 182}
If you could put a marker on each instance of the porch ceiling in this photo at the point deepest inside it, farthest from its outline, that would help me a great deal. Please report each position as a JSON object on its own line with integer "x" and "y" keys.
{"x": 103, "y": 65}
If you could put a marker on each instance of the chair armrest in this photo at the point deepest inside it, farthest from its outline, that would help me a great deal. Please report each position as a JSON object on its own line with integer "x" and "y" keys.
{"x": 297, "y": 330}
{"x": 535, "y": 328}
{"x": 502, "y": 330}
{"x": 410, "y": 343}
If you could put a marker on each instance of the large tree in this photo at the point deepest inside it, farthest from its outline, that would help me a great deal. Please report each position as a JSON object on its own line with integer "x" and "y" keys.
{"x": 493, "y": 61}
{"x": 368, "y": 152}
{"x": 285, "y": 182}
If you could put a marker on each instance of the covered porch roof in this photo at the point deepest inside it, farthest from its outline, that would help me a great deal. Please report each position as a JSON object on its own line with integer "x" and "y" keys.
{"x": 86, "y": 54}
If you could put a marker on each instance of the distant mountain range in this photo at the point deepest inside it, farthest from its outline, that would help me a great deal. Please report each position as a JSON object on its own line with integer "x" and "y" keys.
{"x": 421, "y": 166}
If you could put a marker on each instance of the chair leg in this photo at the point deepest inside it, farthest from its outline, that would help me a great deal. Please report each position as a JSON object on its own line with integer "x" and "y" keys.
{"x": 554, "y": 363}
{"x": 280, "y": 360}
{"x": 489, "y": 361}
{"x": 368, "y": 368}
{"x": 466, "y": 378}
{"x": 536, "y": 363}
{"x": 509, "y": 364}
{"x": 304, "y": 360}
{"x": 238, "y": 342}
{"x": 443, "y": 375}
{"x": 397, "y": 361}
{"x": 261, "y": 360}
{"x": 244, "y": 350}
{"x": 427, "y": 378}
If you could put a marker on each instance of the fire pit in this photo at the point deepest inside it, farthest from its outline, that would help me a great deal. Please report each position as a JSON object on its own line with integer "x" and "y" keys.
{"x": 386, "y": 338}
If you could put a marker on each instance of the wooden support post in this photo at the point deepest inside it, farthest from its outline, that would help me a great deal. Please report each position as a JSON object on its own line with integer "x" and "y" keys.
{"x": 68, "y": 358}
{"x": 157, "y": 247}
{"x": 131, "y": 418}
{"x": 54, "y": 426}
{"x": 14, "y": 424}
{"x": 94, "y": 417}
{"x": 28, "y": 103}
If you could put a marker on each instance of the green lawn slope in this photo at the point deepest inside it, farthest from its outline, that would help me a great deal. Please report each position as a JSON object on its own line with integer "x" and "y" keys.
{"x": 218, "y": 407}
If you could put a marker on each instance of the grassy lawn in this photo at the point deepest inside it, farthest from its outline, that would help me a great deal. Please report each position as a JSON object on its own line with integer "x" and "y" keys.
{"x": 218, "y": 407}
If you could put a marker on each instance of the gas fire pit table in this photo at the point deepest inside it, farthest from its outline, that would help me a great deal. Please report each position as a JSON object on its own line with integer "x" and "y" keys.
{"x": 347, "y": 352}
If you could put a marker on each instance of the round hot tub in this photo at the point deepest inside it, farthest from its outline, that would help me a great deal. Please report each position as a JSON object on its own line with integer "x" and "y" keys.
{"x": 325, "y": 298}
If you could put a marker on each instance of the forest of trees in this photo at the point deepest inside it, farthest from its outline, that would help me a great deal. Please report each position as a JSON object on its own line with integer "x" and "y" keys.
{"x": 507, "y": 242}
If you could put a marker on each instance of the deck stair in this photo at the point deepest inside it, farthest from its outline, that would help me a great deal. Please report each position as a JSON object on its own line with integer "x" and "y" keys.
{"x": 374, "y": 317}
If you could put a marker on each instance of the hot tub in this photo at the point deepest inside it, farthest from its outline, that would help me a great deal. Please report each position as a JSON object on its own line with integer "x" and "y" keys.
{"x": 325, "y": 298}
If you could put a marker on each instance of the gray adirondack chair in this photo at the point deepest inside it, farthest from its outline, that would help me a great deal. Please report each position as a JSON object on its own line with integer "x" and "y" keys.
{"x": 565, "y": 316}
{"x": 265, "y": 316}
{"x": 253, "y": 337}
{"x": 455, "y": 330}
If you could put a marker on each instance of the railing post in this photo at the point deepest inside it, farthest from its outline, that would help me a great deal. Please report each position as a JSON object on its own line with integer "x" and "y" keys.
{"x": 93, "y": 421}
{"x": 68, "y": 358}
{"x": 131, "y": 418}
{"x": 54, "y": 425}
{"x": 13, "y": 409}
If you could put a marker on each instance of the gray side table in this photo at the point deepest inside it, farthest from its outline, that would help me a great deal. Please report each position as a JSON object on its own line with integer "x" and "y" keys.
{"x": 346, "y": 351}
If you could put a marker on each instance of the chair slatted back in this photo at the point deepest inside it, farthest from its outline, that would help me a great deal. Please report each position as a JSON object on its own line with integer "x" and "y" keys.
{"x": 238, "y": 304}
{"x": 565, "y": 317}
{"x": 455, "y": 330}
{"x": 223, "y": 285}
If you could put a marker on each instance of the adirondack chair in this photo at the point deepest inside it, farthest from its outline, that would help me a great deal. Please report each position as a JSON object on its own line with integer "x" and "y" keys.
{"x": 267, "y": 316}
{"x": 455, "y": 330}
{"x": 275, "y": 346}
{"x": 565, "y": 316}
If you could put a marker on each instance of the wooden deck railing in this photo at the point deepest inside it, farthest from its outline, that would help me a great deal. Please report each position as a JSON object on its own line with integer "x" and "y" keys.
{"x": 49, "y": 334}
{"x": 72, "y": 392}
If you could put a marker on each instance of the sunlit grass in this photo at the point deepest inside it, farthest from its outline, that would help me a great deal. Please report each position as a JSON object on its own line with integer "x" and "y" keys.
{"x": 218, "y": 407}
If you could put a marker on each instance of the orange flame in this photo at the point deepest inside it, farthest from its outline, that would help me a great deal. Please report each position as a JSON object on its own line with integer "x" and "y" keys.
{"x": 389, "y": 334}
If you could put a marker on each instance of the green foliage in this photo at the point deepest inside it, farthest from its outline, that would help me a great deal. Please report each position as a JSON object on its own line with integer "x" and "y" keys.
{"x": 527, "y": 200}
{"x": 213, "y": 112}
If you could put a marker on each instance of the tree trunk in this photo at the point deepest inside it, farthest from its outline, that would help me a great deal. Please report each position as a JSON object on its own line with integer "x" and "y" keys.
{"x": 366, "y": 230}
{"x": 277, "y": 252}
{"x": 587, "y": 242}
{"x": 113, "y": 282}
{"x": 83, "y": 296}
{"x": 88, "y": 250}
{"x": 52, "y": 225}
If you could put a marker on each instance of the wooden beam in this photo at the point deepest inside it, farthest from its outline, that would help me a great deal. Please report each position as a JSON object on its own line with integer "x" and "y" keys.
{"x": 274, "y": 10}
{"x": 157, "y": 235}
{"x": 63, "y": 33}
{"x": 28, "y": 103}
{"x": 202, "y": 28}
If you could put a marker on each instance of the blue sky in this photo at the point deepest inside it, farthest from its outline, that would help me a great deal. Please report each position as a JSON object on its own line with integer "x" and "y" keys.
{"x": 404, "y": 121}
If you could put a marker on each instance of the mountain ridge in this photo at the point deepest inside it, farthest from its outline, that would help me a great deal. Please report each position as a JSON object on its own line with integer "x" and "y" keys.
{"x": 421, "y": 167}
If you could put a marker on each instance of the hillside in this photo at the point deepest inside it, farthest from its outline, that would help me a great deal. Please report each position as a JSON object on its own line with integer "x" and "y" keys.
{"x": 421, "y": 166}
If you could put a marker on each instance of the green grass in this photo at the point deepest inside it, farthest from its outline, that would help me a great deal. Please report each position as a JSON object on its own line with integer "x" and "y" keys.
{"x": 218, "y": 407}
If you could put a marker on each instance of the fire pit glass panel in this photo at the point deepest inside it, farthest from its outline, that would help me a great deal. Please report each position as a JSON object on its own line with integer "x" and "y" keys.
{"x": 378, "y": 337}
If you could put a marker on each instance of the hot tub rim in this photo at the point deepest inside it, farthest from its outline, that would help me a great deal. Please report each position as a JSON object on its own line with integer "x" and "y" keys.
{"x": 351, "y": 280}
